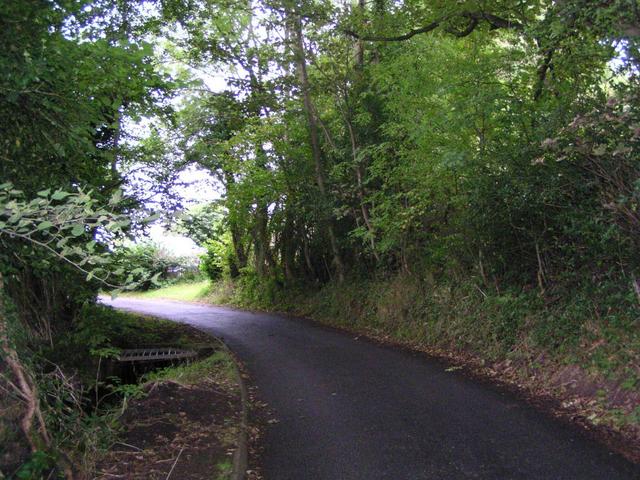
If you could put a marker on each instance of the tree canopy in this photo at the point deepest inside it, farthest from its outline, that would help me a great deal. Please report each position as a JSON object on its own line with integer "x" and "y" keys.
{"x": 491, "y": 140}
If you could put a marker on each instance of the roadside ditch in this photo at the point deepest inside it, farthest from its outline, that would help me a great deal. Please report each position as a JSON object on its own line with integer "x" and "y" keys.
{"x": 186, "y": 413}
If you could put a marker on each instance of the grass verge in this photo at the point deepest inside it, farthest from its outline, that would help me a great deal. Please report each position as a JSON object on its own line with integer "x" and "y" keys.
{"x": 187, "y": 291}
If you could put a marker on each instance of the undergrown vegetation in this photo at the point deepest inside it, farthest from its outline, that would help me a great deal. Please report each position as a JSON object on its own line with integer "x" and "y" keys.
{"x": 84, "y": 393}
{"x": 78, "y": 400}
{"x": 600, "y": 338}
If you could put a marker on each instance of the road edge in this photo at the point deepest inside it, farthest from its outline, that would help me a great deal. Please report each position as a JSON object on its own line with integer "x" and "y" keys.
{"x": 543, "y": 401}
{"x": 241, "y": 453}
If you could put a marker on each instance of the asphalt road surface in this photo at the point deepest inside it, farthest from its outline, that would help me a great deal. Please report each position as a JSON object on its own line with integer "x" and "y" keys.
{"x": 352, "y": 409}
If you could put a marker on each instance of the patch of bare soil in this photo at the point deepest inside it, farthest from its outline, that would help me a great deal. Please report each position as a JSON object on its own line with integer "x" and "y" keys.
{"x": 176, "y": 432}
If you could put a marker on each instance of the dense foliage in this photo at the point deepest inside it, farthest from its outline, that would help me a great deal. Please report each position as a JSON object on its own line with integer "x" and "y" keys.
{"x": 483, "y": 152}
{"x": 73, "y": 76}
{"x": 494, "y": 140}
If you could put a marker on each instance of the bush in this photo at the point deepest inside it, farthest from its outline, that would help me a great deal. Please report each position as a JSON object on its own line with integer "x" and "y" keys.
{"x": 151, "y": 259}
{"x": 216, "y": 262}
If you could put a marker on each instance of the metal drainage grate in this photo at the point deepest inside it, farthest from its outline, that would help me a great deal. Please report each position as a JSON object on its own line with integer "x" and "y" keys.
{"x": 154, "y": 354}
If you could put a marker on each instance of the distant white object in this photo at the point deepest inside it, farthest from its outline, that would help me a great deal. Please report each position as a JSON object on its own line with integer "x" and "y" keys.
{"x": 177, "y": 245}
{"x": 200, "y": 187}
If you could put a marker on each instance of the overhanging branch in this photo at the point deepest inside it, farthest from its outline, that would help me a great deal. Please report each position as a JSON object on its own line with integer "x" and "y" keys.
{"x": 473, "y": 23}
{"x": 474, "y": 18}
{"x": 399, "y": 38}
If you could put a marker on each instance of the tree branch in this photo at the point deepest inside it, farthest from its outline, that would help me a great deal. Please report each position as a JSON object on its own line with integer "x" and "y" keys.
{"x": 399, "y": 38}
{"x": 543, "y": 69}
{"x": 473, "y": 23}
{"x": 474, "y": 18}
{"x": 57, "y": 254}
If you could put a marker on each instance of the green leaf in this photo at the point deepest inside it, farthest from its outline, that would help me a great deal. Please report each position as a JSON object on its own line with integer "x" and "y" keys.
{"x": 77, "y": 230}
{"x": 45, "y": 225}
{"x": 105, "y": 352}
{"x": 59, "y": 195}
{"x": 600, "y": 150}
{"x": 44, "y": 193}
{"x": 116, "y": 197}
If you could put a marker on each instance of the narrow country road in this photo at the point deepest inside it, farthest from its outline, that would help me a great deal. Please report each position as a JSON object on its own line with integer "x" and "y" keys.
{"x": 352, "y": 409}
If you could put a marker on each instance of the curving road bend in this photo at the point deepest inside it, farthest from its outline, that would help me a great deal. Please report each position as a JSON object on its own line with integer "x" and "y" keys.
{"x": 350, "y": 409}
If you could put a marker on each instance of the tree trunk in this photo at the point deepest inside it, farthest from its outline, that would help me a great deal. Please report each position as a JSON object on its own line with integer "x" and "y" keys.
{"x": 263, "y": 257}
{"x": 303, "y": 79}
{"x": 261, "y": 241}
{"x": 238, "y": 249}
{"x": 364, "y": 207}
{"x": 287, "y": 248}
